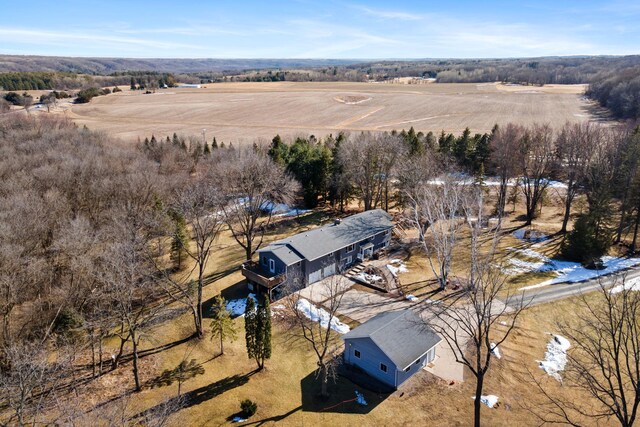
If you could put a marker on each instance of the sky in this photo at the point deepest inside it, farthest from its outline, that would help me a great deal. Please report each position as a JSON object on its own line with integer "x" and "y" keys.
{"x": 319, "y": 29}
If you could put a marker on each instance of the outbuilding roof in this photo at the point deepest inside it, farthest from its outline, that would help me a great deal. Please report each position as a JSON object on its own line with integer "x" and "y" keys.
{"x": 321, "y": 241}
{"x": 401, "y": 335}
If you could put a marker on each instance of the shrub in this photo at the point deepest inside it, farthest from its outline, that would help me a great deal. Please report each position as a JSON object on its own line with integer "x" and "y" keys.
{"x": 13, "y": 97}
{"x": 248, "y": 407}
{"x": 116, "y": 89}
{"x": 86, "y": 95}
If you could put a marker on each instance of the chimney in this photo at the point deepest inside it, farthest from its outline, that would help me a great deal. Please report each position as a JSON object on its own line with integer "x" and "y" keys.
{"x": 337, "y": 221}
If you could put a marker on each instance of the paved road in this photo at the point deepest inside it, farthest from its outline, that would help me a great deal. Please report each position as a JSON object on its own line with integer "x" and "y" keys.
{"x": 566, "y": 290}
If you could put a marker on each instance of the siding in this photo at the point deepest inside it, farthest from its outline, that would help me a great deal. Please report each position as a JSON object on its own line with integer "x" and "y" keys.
{"x": 280, "y": 266}
{"x": 370, "y": 359}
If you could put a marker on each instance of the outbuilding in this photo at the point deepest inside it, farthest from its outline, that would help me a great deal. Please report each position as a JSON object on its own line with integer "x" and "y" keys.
{"x": 391, "y": 347}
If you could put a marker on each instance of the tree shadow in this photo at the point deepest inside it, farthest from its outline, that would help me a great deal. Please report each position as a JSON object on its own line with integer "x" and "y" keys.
{"x": 263, "y": 421}
{"x": 342, "y": 394}
{"x": 202, "y": 394}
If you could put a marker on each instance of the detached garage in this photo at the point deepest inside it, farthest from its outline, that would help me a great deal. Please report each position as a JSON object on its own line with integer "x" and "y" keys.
{"x": 391, "y": 347}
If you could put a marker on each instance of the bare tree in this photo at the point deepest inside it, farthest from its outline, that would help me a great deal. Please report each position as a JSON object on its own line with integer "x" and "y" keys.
{"x": 368, "y": 161}
{"x": 478, "y": 320}
{"x": 436, "y": 211}
{"x": 603, "y": 362}
{"x": 504, "y": 160}
{"x": 127, "y": 275}
{"x": 574, "y": 148}
{"x": 27, "y": 381}
{"x": 319, "y": 334}
{"x": 537, "y": 155}
{"x": 197, "y": 204}
{"x": 254, "y": 184}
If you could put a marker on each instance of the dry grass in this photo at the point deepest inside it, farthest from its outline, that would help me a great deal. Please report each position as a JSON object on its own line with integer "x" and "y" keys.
{"x": 242, "y": 112}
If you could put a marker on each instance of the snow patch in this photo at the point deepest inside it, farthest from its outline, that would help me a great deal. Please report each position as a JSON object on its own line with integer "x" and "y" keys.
{"x": 396, "y": 266}
{"x": 411, "y": 298}
{"x": 238, "y": 419}
{"x": 237, "y": 307}
{"x": 529, "y": 235}
{"x": 555, "y": 358}
{"x": 320, "y": 315}
{"x": 572, "y": 272}
{"x": 495, "y": 351}
{"x": 490, "y": 400}
{"x": 369, "y": 278}
{"x": 628, "y": 285}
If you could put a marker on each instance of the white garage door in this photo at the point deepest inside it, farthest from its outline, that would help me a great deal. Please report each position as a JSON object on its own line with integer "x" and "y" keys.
{"x": 328, "y": 271}
{"x": 315, "y": 276}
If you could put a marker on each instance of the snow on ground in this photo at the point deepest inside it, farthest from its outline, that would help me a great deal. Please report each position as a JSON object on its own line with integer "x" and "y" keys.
{"x": 396, "y": 266}
{"x": 282, "y": 209}
{"x": 489, "y": 181}
{"x": 555, "y": 357}
{"x": 495, "y": 351}
{"x": 320, "y": 315}
{"x": 529, "y": 235}
{"x": 368, "y": 278}
{"x": 490, "y": 400}
{"x": 411, "y": 298}
{"x": 238, "y": 419}
{"x": 572, "y": 272}
{"x": 237, "y": 307}
{"x": 628, "y": 285}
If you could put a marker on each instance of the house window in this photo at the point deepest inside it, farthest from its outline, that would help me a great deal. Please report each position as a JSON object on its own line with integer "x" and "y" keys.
{"x": 418, "y": 362}
{"x": 356, "y": 353}
{"x": 350, "y": 248}
{"x": 383, "y": 367}
{"x": 272, "y": 266}
{"x": 408, "y": 369}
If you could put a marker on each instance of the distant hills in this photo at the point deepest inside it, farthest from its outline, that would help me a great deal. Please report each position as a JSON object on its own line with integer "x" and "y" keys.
{"x": 102, "y": 66}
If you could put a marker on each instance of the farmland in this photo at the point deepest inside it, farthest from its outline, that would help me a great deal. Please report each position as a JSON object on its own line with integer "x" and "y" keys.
{"x": 242, "y": 112}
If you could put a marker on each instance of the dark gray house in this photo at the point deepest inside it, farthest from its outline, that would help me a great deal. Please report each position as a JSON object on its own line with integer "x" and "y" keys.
{"x": 315, "y": 254}
{"x": 391, "y": 347}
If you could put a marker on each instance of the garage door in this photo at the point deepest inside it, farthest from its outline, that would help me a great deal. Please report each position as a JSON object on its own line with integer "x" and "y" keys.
{"x": 329, "y": 271}
{"x": 315, "y": 276}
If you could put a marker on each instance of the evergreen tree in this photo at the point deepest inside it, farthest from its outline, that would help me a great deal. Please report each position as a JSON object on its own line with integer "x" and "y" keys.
{"x": 133, "y": 83}
{"x": 250, "y": 327}
{"x": 585, "y": 244}
{"x": 462, "y": 148}
{"x": 214, "y": 144}
{"x": 179, "y": 241}
{"x": 222, "y": 144}
{"x": 278, "y": 151}
{"x": 264, "y": 332}
{"x": 207, "y": 150}
{"x": 175, "y": 141}
{"x": 222, "y": 326}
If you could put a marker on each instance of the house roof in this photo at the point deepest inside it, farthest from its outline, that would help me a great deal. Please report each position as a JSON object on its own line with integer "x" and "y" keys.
{"x": 401, "y": 335}
{"x": 321, "y": 241}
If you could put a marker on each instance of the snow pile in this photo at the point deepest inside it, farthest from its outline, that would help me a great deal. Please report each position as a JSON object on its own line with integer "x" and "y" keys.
{"x": 238, "y": 419}
{"x": 555, "y": 358}
{"x": 490, "y": 400}
{"x": 360, "y": 399}
{"x": 319, "y": 315}
{"x": 495, "y": 351}
{"x": 237, "y": 307}
{"x": 411, "y": 298}
{"x": 572, "y": 272}
{"x": 396, "y": 266}
{"x": 628, "y": 285}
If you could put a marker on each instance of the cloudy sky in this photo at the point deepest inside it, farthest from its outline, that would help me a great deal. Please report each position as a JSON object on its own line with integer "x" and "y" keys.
{"x": 319, "y": 29}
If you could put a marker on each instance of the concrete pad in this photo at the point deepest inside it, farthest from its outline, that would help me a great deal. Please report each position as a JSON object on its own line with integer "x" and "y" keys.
{"x": 362, "y": 306}
{"x": 322, "y": 290}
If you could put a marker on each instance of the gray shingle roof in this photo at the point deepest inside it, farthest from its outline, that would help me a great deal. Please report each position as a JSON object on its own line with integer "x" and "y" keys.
{"x": 401, "y": 335}
{"x": 321, "y": 241}
{"x": 285, "y": 253}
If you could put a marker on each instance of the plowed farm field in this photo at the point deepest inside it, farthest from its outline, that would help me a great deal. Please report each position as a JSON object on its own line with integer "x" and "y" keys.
{"x": 244, "y": 112}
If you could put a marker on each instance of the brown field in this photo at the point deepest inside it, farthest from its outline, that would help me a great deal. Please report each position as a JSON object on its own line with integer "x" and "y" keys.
{"x": 241, "y": 112}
